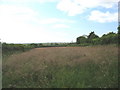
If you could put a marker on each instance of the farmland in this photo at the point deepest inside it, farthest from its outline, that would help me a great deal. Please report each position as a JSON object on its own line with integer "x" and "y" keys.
{"x": 59, "y": 44}
{"x": 62, "y": 67}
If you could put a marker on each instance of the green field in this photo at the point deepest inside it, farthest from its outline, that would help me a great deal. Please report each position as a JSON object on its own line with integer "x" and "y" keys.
{"x": 62, "y": 67}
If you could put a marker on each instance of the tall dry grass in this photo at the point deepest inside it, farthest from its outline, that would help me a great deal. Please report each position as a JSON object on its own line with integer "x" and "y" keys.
{"x": 49, "y": 63}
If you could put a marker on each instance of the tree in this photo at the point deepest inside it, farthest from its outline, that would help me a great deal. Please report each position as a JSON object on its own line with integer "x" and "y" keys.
{"x": 109, "y": 38}
{"x": 96, "y": 41}
{"x": 81, "y": 40}
{"x": 34, "y": 45}
{"x": 92, "y": 36}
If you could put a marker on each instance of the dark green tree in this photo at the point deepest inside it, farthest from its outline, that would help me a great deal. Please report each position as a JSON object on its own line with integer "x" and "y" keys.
{"x": 34, "y": 45}
{"x": 109, "y": 38}
{"x": 81, "y": 40}
{"x": 91, "y": 37}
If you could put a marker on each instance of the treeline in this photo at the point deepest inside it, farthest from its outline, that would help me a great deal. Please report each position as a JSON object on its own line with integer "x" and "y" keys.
{"x": 93, "y": 39}
{"x": 12, "y": 48}
{"x": 23, "y": 47}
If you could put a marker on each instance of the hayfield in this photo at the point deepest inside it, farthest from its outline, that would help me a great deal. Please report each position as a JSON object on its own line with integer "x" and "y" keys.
{"x": 63, "y": 67}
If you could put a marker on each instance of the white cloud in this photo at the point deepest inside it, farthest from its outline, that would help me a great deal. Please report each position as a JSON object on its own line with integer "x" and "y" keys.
{"x": 74, "y": 7}
{"x": 103, "y": 17}
{"x": 61, "y": 26}
{"x": 16, "y": 26}
{"x": 44, "y": 1}
{"x": 14, "y": 22}
{"x": 70, "y": 7}
{"x": 55, "y": 20}
{"x": 16, "y": 14}
{"x": 29, "y": 1}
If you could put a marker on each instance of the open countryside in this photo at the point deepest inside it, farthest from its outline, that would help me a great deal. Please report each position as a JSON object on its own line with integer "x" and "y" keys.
{"x": 84, "y": 64}
{"x": 59, "y": 43}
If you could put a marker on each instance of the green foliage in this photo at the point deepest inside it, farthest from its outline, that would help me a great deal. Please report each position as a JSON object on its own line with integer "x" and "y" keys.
{"x": 93, "y": 39}
{"x": 87, "y": 75}
{"x": 96, "y": 41}
{"x": 35, "y": 45}
{"x": 109, "y": 38}
{"x": 81, "y": 39}
{"x": 92, "y": 36}
{"x": 8, "y": 49}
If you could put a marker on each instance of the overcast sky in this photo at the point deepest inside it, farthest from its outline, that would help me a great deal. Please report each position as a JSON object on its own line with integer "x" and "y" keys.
{"x": 38, "y": 21}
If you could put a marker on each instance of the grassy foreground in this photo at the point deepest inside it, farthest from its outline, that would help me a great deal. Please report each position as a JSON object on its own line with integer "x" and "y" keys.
{"x": 63, "y": 67}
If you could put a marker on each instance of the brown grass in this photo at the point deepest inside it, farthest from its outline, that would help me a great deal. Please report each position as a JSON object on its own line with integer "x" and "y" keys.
{"x": 39, "y": 58}
{"x": 24, "y": 66}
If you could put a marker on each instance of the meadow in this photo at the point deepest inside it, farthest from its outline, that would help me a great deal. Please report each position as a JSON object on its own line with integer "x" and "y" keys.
{"x": 62, "y": 67}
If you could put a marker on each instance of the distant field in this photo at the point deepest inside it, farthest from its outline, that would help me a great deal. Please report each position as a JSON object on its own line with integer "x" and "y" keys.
{"x": 63, "y": 67}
